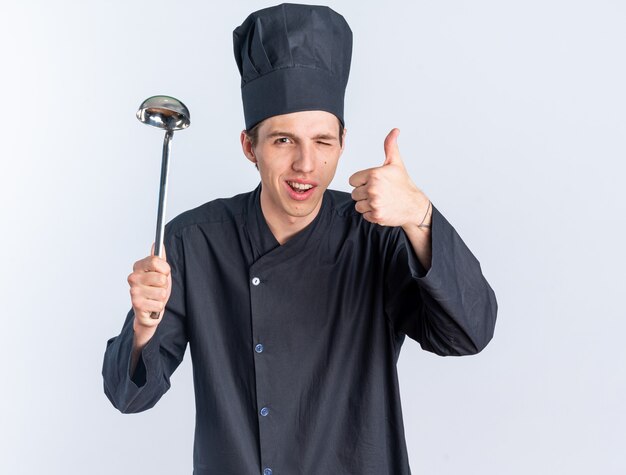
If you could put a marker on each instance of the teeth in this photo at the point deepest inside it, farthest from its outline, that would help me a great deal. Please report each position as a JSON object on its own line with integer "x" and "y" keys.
{"x": 300, "y": 186}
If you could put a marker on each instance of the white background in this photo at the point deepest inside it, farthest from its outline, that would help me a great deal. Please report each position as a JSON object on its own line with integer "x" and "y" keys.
{"x": 513, "y": 123}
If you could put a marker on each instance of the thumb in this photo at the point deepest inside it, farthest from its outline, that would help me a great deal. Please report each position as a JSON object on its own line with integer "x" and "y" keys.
{"x": 392, "y": 151}
{"x": 164, "y": 256}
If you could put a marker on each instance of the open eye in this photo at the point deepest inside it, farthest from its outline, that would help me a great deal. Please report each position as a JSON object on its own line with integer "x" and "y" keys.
{"x": 281, "y": 140}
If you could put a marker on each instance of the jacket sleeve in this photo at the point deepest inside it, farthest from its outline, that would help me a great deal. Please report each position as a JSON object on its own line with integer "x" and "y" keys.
{"x": 449, "y": 310}
{"x": 161, "y": 355}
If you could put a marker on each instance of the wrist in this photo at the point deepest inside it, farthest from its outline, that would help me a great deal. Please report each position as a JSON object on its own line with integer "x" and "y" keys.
{"x": 421, "y": 217}
{"x": 425, "y": 224}
{"x": 142, "y": 335}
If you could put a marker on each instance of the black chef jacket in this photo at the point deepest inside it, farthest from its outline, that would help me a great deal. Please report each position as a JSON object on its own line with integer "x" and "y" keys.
{"x": 294, "y": 346}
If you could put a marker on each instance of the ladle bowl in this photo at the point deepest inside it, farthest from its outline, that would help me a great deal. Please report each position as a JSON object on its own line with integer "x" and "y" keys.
{"x": 164, "y": 112}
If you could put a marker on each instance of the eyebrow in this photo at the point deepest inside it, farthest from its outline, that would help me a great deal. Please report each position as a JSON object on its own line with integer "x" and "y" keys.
{"x": 278, "y": 133}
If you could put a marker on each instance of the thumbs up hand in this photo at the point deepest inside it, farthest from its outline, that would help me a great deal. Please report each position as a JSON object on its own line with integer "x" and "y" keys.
{"x": 386, "y": 195}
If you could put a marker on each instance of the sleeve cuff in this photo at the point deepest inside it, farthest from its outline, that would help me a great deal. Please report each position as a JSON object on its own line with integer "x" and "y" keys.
{"x": 440, "y": 231}
{"x": 147, "y": 355}
{"x": 122, "y": 388}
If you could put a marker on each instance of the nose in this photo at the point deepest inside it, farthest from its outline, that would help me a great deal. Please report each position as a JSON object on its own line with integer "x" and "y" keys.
{"x": 304, "y": 162}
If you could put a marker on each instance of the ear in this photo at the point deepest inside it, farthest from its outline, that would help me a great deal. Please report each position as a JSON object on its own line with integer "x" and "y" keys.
{"x": 343, "y": 140}
{"x": 246, "y": 146}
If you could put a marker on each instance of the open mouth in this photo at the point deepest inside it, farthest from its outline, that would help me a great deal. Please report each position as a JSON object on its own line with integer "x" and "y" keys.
{"x": 300, "y": 188}
{"x": 300, "y": 191}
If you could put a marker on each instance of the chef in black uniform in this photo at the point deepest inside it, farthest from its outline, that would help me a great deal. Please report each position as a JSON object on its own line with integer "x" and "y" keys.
{"x": 295, "y": 299}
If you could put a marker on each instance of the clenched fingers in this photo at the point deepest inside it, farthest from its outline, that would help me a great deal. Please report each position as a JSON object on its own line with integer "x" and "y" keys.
{"x": 154, "y": 279}
{"x": 360, "y": 193}
{"x": 152, "y": 264}
{"x": 360, "y": 178}
{"x": 363, "y": 206}
{"x": 148, "y": 292}
{"x": 146, "y": 306}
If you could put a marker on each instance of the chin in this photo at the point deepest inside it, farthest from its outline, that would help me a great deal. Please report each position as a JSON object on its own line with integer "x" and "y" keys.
{"x": 301, "y": 212}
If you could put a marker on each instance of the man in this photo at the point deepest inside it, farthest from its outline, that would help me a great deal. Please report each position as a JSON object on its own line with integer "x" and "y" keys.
{"x": 295, "y": 299}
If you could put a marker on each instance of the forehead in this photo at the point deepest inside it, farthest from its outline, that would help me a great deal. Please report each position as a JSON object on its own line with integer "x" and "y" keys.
{"x": 302, "y": 123}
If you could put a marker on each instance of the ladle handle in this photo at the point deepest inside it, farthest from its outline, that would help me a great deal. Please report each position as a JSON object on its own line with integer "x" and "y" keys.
{"x": 160, "y": 227}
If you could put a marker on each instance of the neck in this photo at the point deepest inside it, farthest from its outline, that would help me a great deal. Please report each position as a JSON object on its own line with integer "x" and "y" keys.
{"x": 282, "y": 225}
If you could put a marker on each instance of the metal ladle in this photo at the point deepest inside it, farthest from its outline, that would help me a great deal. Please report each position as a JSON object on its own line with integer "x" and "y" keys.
{"x": 167, "y": 113}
